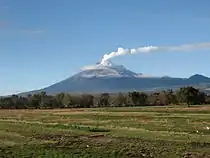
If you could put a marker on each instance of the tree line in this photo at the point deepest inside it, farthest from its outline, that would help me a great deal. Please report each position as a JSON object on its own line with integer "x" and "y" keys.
{"x": 185, "y": 95}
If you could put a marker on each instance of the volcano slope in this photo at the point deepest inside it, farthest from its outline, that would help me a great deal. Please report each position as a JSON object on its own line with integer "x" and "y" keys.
{"x": 108, "y": 77}
{"x": 107, "y": 132}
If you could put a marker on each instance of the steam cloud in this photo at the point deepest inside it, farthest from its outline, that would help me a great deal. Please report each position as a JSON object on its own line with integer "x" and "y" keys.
{"x": 151, "y": 49}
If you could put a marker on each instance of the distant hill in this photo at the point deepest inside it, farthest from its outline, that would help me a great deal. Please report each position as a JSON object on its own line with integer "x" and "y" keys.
{"x": 109, "y": 77}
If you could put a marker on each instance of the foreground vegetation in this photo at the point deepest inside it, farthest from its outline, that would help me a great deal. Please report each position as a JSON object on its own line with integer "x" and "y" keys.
{"x": 172, "y": 131}
{"x": 185, "y": 95}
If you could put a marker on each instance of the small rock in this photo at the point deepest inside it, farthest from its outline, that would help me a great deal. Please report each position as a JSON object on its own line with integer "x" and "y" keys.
{"x": 143, "y": 155}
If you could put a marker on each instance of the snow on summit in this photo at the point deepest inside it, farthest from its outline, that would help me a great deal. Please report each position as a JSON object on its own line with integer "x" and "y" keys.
{"x": 106, "y": 68}
{"x": 101, "y": 65}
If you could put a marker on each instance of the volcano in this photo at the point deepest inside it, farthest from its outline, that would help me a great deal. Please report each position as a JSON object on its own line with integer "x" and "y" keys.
{"x": 109, "y": 77}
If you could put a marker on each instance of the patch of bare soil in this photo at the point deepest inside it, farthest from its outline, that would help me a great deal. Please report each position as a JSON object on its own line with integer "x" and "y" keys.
{"x": 101, "y": 138}
{"x": 97, "y": 138}
{"x": 66, "y": 120}
{"x": 201, "y": 108}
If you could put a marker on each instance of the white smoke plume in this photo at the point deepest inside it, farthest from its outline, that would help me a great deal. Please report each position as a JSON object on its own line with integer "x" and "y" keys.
{"x": 151, "y": 49}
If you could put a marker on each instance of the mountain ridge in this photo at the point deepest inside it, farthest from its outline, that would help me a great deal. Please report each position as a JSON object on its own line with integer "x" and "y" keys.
{"x": 109, "y": 77}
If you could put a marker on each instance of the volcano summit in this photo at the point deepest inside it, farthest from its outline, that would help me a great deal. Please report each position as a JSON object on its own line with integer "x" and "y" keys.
{"x": 106, "y": 69}
{"x": 106, "y": 76}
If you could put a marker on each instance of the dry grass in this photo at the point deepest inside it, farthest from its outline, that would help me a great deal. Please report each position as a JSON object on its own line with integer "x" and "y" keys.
{"x": 65, "y": 127}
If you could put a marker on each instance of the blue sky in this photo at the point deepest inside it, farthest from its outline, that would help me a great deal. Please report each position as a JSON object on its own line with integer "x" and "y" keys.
{"x": 45, "y": 41}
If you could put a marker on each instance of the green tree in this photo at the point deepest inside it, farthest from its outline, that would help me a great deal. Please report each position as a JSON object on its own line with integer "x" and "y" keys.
{"x": 6, "y": 103}
{"x": 190, "y": 96}
{"x": 104, "y": 100}
{"x": 121, "y": 100}
{"x": 171, "y": 97}
{"x": 207, "y": 99}
{"x": 66, "y": 100}
{"x": 138, "y": 98}
{"x": 87, "y": 101}
{"x": 59, "y": 98}
{"x": 76, "y": 101}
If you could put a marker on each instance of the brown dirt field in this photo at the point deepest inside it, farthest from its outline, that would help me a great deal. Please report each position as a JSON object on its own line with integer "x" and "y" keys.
{"x": 200, "y": 108}
{"x": 39, "y": 110}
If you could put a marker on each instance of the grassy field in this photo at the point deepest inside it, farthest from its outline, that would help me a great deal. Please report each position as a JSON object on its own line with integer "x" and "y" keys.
{"x": 107, "y": 132}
